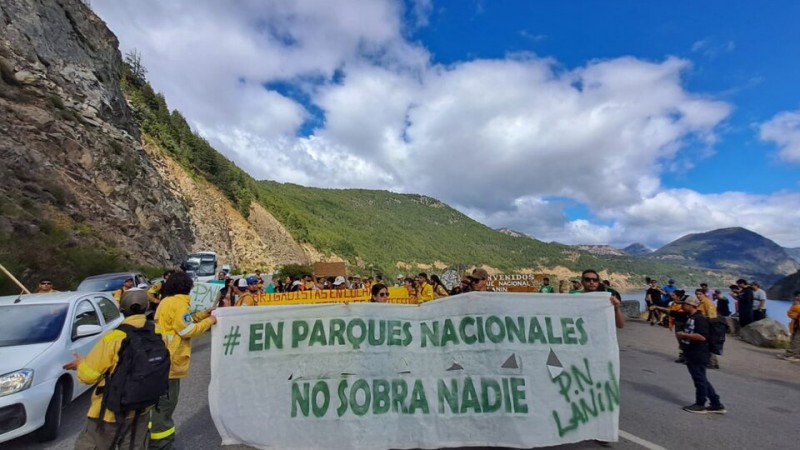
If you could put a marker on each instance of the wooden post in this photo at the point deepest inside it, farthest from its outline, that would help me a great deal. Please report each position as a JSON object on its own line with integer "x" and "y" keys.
{"x": 14, "y": 279}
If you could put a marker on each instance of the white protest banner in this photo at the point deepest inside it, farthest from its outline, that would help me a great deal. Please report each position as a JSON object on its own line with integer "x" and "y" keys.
{"x": 202, "y": 296}
{"x": 477, "y": 369}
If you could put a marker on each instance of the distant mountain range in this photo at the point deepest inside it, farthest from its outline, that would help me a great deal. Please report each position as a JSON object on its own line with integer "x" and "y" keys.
{"x": 737, "y": 251}
{"x": 636, "y": 249}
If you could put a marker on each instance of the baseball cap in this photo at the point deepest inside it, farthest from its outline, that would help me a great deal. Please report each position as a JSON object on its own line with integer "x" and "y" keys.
{"x": 134, "y": 297}
{"x": 480, "y": 274}
{"x": 252, "y": 280}
{"x": 241, "y": 282}
{"x": 691, "y": 300}
{"x": 339, "y": 280}
{"x": 670, "y": 281}
{"x": 296, "y": 283}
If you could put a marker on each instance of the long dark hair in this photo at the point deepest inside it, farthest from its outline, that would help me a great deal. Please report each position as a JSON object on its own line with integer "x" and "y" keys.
{"x": 178, "y": 283}
{"x": 437, "y": 282}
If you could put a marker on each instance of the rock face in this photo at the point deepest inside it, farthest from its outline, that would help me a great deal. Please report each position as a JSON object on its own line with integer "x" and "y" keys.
{"x": 72, "y": 161}
{"x": 258, "y": 242}
{"x": 766, "y": 333}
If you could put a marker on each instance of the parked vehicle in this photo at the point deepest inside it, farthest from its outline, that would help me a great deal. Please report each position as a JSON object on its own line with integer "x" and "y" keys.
{"x": 38, "y": 335}
{"x": 204, "y": 264}
{"x": 109, "y": 282}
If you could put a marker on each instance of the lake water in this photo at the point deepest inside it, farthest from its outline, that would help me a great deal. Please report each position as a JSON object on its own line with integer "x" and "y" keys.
{"x": 776, "y": 309}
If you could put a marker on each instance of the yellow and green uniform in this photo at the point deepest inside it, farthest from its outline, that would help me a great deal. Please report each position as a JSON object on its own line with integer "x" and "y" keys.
{"x": 118, "y": 294}
{"x": 252, "y": 299}
{"x": 101, "y": 360}
{"x": 154, "y": 293}
{"x": 177, "y": 326}
{"x": 425, "y": 292}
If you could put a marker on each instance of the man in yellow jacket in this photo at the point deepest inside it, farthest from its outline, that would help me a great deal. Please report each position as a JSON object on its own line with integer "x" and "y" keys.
{"x": 424, "y": 289}
{"x": 102, "y": 360}
{"x": 127, "y": 284}
{"x": 254, "y": 295}
{"x": 177, "y": 326}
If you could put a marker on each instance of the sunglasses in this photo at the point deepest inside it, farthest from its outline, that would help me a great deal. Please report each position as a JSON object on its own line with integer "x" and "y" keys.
{"x": 383, "y": 294}
{"x": 45, "y": 282}
{"x": 591, "y": 280}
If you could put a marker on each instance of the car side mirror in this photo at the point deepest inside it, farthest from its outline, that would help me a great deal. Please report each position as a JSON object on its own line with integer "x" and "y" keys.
{"x": 87, "y": 330}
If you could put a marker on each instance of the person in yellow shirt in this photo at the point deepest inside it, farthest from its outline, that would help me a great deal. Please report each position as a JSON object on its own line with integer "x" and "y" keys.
{"x": 792, "y": 354}
{"x": 177, "y": 325}
{"x": 254, "y": 295}
{"x": 127, "y": 284}
{"x": 424, "y": 288}
{"x": 708, "y": 309}
{"x": 100, "y": 361}
{"x": 439, "y": 290}
{"x": 154, "y": 293}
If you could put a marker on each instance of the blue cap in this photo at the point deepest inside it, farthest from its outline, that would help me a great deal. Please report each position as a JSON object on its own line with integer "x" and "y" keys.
{"x": 252, "y": 280}
{"x": 670, "y": 280}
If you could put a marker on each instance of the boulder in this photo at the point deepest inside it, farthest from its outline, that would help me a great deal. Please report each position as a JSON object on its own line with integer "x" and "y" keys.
{"x": 766, "y": 333}
{"x": 733, "y": 325}
{"x": 631, "y": 309}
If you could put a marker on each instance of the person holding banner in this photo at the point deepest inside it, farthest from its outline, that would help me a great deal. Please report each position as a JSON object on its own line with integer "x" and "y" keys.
{"x": 380, "y": 293}
{"x": 590, "y": 280}
{"x": 480, "y": 280}
{"x": 177, "y": 326}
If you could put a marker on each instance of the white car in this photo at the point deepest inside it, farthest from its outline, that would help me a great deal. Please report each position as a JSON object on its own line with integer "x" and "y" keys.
{"x": 38, "y": 335}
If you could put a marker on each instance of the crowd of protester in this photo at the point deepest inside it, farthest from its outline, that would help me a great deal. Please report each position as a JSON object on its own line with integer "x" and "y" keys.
{"x": 690, "y": 317}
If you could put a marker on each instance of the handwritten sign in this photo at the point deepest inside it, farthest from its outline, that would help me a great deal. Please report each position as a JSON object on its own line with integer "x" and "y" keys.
{"x": 478, "y": 369}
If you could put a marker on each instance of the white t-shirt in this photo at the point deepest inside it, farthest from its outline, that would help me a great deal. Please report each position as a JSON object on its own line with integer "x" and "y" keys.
{"x": 758, "y": 296}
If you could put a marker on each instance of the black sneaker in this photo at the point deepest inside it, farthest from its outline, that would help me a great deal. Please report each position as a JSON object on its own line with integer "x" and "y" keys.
{"x": 681, "y": 360}
{"x": 697, "y": 409}
{"x": 718, "y": 409}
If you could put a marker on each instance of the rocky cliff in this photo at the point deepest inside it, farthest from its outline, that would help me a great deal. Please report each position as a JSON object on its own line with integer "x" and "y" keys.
{"x": 80, "y": 192}
{"x": 76, "y": 183}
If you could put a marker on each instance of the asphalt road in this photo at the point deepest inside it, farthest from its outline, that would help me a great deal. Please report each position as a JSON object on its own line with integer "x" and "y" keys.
{"x": 761, "y": 393}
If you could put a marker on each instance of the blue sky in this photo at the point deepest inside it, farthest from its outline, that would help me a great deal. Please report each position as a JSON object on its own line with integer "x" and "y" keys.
{"x": 574, "y": 121}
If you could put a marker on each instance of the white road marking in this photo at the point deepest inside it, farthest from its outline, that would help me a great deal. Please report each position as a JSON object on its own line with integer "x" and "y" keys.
{"x": 637, "y": 440}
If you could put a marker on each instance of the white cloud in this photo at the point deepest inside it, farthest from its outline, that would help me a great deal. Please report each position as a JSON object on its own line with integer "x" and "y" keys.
{"x": 784, "y": 130}
{"x": 711, "y": 48}
{"x": 499, "y": 139}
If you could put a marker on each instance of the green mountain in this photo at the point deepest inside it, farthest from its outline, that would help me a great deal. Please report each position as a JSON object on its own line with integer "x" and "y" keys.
{"x": 785, "y": 288}
{"x": 737, "y": 251}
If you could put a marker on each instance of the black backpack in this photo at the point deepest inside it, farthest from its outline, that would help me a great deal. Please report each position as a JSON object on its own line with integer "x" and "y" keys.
{"x": 139, "y": 379}
{"x": 718, "y": 328}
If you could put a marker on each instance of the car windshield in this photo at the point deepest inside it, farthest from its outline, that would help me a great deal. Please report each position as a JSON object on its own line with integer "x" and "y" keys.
{"x": 102, "y": 284}
{"x": 31, "y": 324}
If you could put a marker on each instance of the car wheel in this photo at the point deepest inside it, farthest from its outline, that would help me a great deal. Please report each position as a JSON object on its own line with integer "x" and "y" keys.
{"x": 52, "y": 419}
